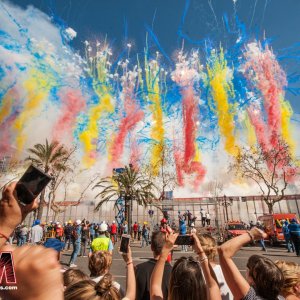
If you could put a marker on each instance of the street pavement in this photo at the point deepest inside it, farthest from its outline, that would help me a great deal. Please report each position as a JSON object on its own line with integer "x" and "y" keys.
{"x": 140, "y": 255}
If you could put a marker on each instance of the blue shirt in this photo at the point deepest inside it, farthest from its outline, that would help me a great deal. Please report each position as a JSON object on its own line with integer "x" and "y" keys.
{"x": 183, "y": 228}
{"x": 294, "y": 229}
{"x": 92, "y": 229}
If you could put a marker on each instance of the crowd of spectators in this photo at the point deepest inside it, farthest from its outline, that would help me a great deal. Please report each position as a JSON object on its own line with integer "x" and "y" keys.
{"x": 209, "y": 274}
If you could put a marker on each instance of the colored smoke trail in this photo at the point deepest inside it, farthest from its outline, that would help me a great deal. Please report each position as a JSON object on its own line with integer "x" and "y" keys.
{"x": 37, "y": 87}
{"x": 264, "y": 71}
{"x": 186, "y": 75}
{"x": 98, "y": 69}
{"x": 259, "y": 126}
{"x": 133, "y": 116}
{"x": 220, "y": 81}
{"x": 152, "y": 71}
{"x": 89, "y": 136}
{"x": 91, "y": 102}
{"x": 286, "y": 114}
{"x": 7, "y": 118}
{"x": 72, "y": 104}
{"x": 251, "y": 137}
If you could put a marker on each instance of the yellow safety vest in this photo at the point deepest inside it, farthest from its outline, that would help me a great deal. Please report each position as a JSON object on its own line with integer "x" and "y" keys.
{"x": 100, "y": 244}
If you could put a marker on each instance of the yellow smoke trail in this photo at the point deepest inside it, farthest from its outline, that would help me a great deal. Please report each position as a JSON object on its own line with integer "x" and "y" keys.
{"x": 251, "y": 137}
{"x": 197, "y": 157}
{"x": 286, "y": 113}
{"x": 90, "y": 135}
{"x": 37, "y": 87}
{"x": 157, "y": 130}
{"x": 221, "y": 87}
{"x": 5, "y": 110}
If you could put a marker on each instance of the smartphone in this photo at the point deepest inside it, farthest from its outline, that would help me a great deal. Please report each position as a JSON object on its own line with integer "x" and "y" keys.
{"x": 124, "y": 243}
{"x": 31, "y": 184}
{"x": 184, "y": 240}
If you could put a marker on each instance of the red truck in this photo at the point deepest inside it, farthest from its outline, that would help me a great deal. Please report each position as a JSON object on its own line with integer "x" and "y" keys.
{"x": 273, "y": 226}
{"x": 234, "y": 228}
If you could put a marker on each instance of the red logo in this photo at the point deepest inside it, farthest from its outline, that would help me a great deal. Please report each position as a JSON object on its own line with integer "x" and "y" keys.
{"x": 7, "y": 270}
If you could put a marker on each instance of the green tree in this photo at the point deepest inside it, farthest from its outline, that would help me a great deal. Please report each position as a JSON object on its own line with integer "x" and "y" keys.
{"x": 130, "y": 184}
{"x": 51, "y": 157}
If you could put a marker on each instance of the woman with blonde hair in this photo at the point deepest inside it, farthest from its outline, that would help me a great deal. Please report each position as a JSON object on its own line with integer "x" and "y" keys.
{"x": 291, "y": 274}
{"x": 209, "y": 246}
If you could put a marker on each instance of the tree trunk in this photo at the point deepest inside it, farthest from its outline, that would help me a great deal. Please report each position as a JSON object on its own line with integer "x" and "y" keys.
{"x": 129, "y": 215}
{"x": 41, "y": 205}
{"x": 270, "y": 207}
{"x": 126, "y": 209}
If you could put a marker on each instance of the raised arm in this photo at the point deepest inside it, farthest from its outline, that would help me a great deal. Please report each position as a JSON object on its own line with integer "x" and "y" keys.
{"x": 209, "y": 274}
{"x": 12, "y": 213}
{"x": 235, "y": 280}
{"x": 158, "y": 271}
{"x": 130, "y": 276}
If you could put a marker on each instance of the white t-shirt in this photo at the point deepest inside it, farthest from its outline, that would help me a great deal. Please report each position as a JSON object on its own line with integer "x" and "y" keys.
{"x": 225, "y": 291}
{"x": 203, "y": 213}
{"x": 36, "y": 234}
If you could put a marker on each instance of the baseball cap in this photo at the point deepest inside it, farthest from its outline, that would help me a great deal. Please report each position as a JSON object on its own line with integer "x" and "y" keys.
{"x": 114, "y": 221}
{"x": 78, "y": 222}
{"x": 103, "y": 227}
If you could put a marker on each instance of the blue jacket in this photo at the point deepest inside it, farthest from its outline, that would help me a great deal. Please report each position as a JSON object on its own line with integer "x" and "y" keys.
{"x": 294, "y": 229}
{"x": 286, "y": 231}
{"x": 183, "y": 228}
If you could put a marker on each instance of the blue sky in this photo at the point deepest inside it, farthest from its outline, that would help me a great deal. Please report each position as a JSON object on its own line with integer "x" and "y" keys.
{"x": 129, "y": 20}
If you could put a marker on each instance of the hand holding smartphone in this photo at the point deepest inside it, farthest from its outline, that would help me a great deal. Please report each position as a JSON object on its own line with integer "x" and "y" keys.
{"x": 31, "y": 184}
{"x": 184, "y": 240}
{"x": 124, "y": 243}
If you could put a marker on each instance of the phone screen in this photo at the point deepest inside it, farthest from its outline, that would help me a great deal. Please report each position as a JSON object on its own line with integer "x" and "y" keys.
{"x": 124, "y": 243}
{"x": 184, "y": 240}
{"x": 31, "y": 184}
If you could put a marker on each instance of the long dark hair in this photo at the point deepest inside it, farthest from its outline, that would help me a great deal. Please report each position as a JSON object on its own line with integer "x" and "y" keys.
{"x": 187, "y": 281}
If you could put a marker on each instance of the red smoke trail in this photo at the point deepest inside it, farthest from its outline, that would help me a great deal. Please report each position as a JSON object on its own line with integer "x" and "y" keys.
{"x": 185, "y": 163}
{"x": 189, "y": 110}
{"x": 133, "y": 116}
{"x": 178, "y": 165}
{"x": 72, "y": 104}
{"x": 259, "y": 127}
{"x": 270, "y": 80}
{"x": 135, "y": 154}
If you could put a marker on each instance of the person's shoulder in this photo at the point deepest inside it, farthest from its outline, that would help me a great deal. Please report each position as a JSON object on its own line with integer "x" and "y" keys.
{"x": 143, "y": 265}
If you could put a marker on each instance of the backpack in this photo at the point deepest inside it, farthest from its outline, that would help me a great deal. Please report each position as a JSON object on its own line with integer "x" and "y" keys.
{"x": 75, "y": 234}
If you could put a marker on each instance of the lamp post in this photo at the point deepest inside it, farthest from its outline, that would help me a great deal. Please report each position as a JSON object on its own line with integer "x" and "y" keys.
{"x": 225, "y": 202}
{"x": 151, "y": 213}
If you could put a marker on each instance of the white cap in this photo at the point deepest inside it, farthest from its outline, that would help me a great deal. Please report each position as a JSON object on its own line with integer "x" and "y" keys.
{"x": 78, "y": 222}
{"x": 103, "y": 227}
{"x": 57, "y": 223}
{"x": 192, "y": 225}
{"x": 114, "y": 221}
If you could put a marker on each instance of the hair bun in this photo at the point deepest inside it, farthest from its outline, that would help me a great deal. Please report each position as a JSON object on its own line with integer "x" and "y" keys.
{"x": 104, "y": 285}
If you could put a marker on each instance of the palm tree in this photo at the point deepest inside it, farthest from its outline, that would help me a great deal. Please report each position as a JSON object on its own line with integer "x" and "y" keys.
{"x": 128, "y": 184}
{"x": 49, "y": 157}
